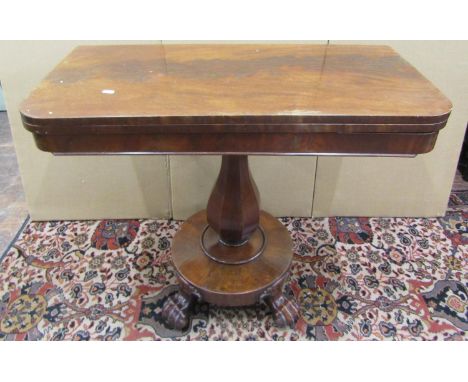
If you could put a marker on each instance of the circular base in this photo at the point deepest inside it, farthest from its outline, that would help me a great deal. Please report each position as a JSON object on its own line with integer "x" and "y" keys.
{"x": 216, "y": 250}
{"x": 228, "y": 284}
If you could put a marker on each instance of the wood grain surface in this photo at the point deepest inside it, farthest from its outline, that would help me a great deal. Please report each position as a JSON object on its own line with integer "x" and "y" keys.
{"x": 225, "y": 284}
{"x": 234, "y": 99}
{"x": 175, "y": 83}
{"x": 148, "y": 98}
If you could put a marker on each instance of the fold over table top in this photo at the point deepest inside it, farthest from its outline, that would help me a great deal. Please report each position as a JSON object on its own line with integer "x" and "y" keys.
{"x": 259, "y": 99}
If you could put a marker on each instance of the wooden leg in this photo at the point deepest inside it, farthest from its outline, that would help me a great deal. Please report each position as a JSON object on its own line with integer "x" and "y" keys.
{"x": 233, "y": 208}
{"x": 176, "y": 310}
{"x": 285, "y": 310}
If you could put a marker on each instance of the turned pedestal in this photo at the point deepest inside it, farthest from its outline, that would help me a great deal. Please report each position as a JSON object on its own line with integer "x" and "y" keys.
{"x": 232, "y": 254}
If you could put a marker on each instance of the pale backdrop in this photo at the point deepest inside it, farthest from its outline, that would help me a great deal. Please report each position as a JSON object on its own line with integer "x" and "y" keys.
{"x": 404, "y": 186}
{"x": 78, "y": 187}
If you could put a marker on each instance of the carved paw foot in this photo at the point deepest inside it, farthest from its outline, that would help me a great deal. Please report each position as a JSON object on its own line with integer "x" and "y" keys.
{"x": 285, "y": 311}
{"x": 176, "y": 309}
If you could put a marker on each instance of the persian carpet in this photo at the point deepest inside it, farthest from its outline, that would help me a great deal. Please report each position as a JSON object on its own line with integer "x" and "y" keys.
{"x": 353, "y": 278}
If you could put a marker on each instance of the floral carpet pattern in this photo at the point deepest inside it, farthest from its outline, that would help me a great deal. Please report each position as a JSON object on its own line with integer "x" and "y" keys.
{"x": 353, "y": 278}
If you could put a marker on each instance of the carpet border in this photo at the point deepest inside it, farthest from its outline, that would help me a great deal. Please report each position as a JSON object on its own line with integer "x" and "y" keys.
{"x": 20, "y": 231}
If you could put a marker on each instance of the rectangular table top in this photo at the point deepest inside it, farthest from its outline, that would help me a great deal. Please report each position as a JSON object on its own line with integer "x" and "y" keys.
{"x": 257, "y": 89}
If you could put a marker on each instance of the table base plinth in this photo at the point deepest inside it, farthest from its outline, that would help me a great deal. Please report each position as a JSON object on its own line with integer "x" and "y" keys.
{"x": 204, "y": 279}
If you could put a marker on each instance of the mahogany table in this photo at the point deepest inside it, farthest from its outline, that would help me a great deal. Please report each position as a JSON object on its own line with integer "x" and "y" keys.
{"x": 234, "y": 100}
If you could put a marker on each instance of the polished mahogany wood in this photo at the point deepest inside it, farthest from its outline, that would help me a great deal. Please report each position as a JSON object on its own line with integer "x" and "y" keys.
{"x": 233, "y": 208}
{"x": 241, "y": 143}
{"x": 224, "y": 253}
{"x": 176, "y": 310}
{"x": 234, "y": 100}
{"x": 186, "y": 98}
{"x": 231, "y": 285}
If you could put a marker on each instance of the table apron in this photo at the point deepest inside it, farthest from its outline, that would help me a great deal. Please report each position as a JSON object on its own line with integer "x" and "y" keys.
{"x": 235, "y": 143}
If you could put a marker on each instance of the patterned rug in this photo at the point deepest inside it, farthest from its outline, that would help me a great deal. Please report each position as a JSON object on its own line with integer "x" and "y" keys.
{"x": 353, "y": 278}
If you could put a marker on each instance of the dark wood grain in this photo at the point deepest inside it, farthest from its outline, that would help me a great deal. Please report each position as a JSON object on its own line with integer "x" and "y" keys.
{"x": 232, "y": 285}
{"x": 267, "y": 91}
{"x": 233, "y": 207}
{"x": 296, "y": 83}
{"x": 234, "y": 143}
{"x": 234, "y": 100}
